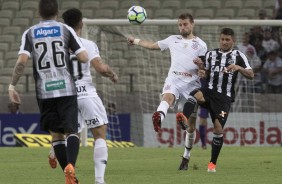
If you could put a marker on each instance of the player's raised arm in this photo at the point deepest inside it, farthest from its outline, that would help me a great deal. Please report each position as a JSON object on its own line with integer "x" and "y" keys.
{"x": 143, "y": 43}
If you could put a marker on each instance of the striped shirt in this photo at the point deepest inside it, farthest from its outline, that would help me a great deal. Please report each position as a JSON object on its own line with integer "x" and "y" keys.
{"x": 216, "y": 63}
{"x": 49, "y": 43}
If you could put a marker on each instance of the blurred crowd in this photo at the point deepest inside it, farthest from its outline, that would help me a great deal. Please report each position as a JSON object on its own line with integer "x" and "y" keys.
{"x": 263, "y": 47}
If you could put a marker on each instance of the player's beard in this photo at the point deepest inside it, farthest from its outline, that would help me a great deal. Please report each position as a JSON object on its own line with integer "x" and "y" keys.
{"x": 185, "y": 34}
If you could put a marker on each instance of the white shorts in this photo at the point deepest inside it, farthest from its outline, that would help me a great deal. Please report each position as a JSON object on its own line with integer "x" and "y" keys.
{"x": 91, "y": 113}
{"x": 181, "y": 90}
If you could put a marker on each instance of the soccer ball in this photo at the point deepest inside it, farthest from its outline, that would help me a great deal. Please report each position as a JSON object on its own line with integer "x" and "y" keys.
{"x": 136, "y": 15}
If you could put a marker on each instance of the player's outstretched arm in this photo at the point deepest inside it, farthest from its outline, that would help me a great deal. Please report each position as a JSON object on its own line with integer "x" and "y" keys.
{"x": 104, "y": 69}
{"x": 143, "y": 43}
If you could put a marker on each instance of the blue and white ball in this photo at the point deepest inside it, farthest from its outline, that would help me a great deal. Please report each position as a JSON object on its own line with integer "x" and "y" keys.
{"x": 136, "y": 15}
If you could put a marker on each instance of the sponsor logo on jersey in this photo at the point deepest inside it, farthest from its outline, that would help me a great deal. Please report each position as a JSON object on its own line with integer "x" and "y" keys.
{"x": 43, "y": 32}
{"x": 186, "y": 74}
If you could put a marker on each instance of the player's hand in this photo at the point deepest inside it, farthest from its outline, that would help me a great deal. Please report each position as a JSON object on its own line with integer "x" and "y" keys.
{"x": 14, "y": 97}
{"x": 114, "y": 78}
{"x": 130, "y": 40}
{"x": 202, "y": 73}
{"x": 198, "y": 61}
{"x": 231, "y": 68}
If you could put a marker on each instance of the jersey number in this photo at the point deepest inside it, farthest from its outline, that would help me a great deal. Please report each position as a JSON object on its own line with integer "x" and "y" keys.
{"x": 58, "y": 56}
{"x": 79, "y": 68}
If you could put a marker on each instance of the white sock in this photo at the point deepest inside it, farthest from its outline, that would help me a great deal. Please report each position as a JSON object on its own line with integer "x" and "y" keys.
{"x": 100, "y": 159}
{"x": 163, "y": 107}
{"x": 189, "y": 141}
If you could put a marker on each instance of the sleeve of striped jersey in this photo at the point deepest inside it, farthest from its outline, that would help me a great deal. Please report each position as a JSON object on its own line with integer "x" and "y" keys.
{"x": 207, "y": 61}
{"x": 25, "y": 47}
{"x": 244, "y": 61}
{"x": 75, "y": 44}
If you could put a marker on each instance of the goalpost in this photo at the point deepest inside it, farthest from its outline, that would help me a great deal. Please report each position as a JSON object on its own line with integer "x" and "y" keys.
{"x": 142, "y": 73}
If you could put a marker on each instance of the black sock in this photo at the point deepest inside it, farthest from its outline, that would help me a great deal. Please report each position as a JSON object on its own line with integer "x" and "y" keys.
{"x": 189, "y": 106}
{"x": 72, "y": 148}
{"x": 60, "y": 152}
{"x": 217, "y": 143}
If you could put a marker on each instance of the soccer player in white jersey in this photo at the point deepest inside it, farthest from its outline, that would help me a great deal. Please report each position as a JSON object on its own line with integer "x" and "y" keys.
{"x": 91, "y": 112}
{"x": 182, "y": 76}
{"x": 49, "y": 43}
{"x": 221, "y": 68}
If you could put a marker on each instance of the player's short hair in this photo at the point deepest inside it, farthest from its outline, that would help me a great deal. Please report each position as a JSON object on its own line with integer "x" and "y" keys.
{"x": 72, "y": 17}
{"x": 184, "y": 16}
{"x": 227, "y": 31}
{"x": 48, "y": 8}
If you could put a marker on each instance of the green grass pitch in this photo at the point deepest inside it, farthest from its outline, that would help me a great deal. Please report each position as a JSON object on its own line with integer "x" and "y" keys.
{"x": 236, "y": 165}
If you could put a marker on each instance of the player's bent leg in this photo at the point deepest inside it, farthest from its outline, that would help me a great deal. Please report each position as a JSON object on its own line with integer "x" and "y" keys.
{"x": 100, "y": 155}
{"x": 159, "y": 115}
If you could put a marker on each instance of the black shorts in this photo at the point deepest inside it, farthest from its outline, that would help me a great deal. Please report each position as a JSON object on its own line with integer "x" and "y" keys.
{"x": 59, "y": 115}
{"x": 217, "y": 103}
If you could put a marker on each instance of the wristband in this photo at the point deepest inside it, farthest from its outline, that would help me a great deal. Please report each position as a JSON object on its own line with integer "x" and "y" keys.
{"x": 136, "y": 41}
{"x": 11, "y": 87}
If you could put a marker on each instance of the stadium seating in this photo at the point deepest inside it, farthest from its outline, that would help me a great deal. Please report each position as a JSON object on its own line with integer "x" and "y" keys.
{"x": 225, "y": 13}
{"x": 70, "y": 4}
{"x": 109, "y": 4}
{"x": 29, "y": 5}
{"x": 269, "y": 4}
{"x": 215, "y": 4}
{"x": 126, "y": 4}
{"x": 180, "y": 11}
{"x": 87, "y": 13}
{"x": 151, "y": 4}
{"x": 119, "y": 14}
{"x": 193, "y": 4}
{"x": 233, "y": 4}
{"x": 4, "y": 47}
{"x": 6, "y": 13}
{"x": 104, "y": 13}
{"x": 24, "y": 22}
{"x": 256, "y": 4}
{"x": 5, "y": 22}
{"x": 25, "y": 14}
{"x": 7, "y": 38}
{"x": 164, "y": 13}
{"x": 171, "y": 4}
{"x": 15, "y": 30}
{"x": 93, "y": 5}
{"x": 246, "y": 13}
{"x": 11, "y": 5}
{"x": 204, "y": 13}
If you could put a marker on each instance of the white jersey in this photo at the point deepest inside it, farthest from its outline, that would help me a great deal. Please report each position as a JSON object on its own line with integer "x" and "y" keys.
{"x": 82, "y": 73}
{"x": 182, "y": 52}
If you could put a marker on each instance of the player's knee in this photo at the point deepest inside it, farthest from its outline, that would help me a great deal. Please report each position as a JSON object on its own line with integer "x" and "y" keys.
{"x": 189, "y": 106}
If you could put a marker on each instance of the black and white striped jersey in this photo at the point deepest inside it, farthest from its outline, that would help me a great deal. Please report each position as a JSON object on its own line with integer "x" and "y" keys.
{"x": 49, "y": 43}
{"x": 216, "y": 63}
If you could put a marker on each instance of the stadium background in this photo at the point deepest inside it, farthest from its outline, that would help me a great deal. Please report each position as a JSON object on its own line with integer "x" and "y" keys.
{"x": 142, "y": 72}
